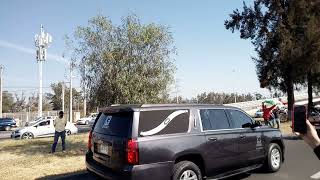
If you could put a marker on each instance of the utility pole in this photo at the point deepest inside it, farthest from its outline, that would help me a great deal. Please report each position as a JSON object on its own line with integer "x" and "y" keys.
{"x": 84, "y": 102}
{"x": 62, "y": 96}
{"x": 177, "y": 90}
{"x": 70, "y": 99}
{"x": 84, "y": 97}
{"x": 41, "y": 42}
{"x": 235, "y": 94}
{"x": 1, "y": 81}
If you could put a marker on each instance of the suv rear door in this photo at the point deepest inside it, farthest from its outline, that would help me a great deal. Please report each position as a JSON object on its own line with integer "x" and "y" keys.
{"x": 221, "y": 147}
{"x": 249, "y": 139}
{"x": 109, "y": 139}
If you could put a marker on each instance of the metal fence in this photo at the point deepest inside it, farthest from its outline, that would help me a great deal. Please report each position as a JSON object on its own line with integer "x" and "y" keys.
{"x": 23, "y": 117}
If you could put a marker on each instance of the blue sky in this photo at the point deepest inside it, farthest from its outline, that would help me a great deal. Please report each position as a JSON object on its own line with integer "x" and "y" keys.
{"x": 210, "y": 58}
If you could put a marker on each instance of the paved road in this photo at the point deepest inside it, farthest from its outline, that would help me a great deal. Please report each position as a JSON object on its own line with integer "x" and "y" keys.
{"x": 300, "y": 164}
{"x": 7, "y": 134}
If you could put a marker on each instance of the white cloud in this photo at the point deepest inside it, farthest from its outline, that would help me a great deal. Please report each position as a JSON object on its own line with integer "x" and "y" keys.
{"x": 32, "y": 51}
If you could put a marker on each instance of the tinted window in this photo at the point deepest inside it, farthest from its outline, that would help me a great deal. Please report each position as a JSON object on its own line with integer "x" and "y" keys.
{"x": 213, "y": 119}
{"x": 117, "y": 124}
{"x": 163, "y": 122}
{"x": 239, "y": 118}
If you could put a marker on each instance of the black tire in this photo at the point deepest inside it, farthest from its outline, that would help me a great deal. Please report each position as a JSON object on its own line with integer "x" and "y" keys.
{"x": 27, "y": 135}
{"x": 7, "y": 128}
{"x": 182, "y": 168}
{"x": 274, "y": 158}
{"x": 68, "y": 132}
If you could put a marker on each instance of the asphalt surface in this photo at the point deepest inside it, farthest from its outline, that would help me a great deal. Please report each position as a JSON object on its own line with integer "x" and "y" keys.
{"x": 7, "y": 134}
{"x": 300, "y": 164}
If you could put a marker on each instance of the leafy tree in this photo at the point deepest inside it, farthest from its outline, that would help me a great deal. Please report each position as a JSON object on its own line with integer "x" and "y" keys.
{"x": 7, "y": 102}
{"x": 127, "y": 63}
{"x": 276, "y": 29}
{"x": 223, "y": 98}
{"x": 56, "y": 97}
{"x": 20, "y": 102}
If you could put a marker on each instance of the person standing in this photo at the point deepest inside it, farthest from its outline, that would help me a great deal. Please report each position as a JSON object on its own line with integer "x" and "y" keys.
{"x": 59, "y": 125}
{"x": 267, "y": 113}
{"x": 276, "y": 119}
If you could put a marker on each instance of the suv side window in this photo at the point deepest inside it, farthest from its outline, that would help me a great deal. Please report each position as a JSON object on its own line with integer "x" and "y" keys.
{"x": 213, "y": 119}
{"x": 240, "y": 119}
{"x": 161, "y": 122}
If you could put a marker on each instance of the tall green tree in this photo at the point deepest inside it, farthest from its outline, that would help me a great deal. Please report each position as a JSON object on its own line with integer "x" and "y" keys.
{"x": 277, "y": 29}
{"x": 127, "y": 63}
{"x": 56, "y": 97}
{"x": 310, "y": 43}
{"x": 7, "y": 102}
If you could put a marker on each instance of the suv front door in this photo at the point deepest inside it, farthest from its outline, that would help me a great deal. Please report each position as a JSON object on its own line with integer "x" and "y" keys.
{"x": 250, "y": 139}
{"x": 221, "y": 147}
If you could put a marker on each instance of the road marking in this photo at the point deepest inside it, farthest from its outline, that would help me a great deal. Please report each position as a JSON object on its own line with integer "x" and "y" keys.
{"x": 315, "y": 176}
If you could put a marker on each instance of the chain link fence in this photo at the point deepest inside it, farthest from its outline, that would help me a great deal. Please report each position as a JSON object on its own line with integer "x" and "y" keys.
{"x": 23, "y": 117}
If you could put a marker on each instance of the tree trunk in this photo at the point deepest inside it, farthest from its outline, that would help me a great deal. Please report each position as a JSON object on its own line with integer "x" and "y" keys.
{"x": 310, "y": 102}
{"x": 290, "y": 94}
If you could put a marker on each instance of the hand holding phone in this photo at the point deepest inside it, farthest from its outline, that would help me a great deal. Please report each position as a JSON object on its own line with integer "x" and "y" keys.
{"x": 299, "y": 123}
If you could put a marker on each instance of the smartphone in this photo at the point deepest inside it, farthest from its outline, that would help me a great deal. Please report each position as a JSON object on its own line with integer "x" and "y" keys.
{"x": 299, "y": 119}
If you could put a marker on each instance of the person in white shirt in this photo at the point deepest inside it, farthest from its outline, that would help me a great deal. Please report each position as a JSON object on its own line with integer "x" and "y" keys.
{"x": 59, "y": 125}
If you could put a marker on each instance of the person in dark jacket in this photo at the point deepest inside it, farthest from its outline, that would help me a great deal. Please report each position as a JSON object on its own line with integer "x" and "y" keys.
{"x": 276, "y": 119}
{"x": 311, "y": 138}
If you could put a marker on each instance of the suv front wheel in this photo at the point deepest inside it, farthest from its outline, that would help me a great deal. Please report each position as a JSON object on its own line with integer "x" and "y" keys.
{"x": 274, "y": 158}
{"x": 186, "y": 170}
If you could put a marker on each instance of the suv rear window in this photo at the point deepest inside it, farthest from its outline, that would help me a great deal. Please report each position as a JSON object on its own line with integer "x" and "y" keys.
{"x": 116, "y": 124}
{"x": 161, "y": 122}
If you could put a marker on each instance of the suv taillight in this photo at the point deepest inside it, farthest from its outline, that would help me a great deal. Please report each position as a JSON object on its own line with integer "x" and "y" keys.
{"x": 132, "y": 152}
{"x": 90, "y": 140}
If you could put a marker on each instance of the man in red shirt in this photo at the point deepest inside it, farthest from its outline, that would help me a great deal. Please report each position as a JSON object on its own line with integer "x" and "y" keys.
{"x": 267, "y": 113}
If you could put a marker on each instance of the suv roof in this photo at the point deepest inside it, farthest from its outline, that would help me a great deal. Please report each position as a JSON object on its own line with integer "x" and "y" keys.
{"x": 137, "y": 107}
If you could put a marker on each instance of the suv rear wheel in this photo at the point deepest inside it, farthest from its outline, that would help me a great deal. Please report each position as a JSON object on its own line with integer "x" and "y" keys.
{"x": 186, "y": 170}
{"x": 7, "y": 128}
{"x": 274, "y": 158}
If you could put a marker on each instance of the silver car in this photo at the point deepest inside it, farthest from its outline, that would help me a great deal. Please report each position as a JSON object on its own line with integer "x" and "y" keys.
{"x": 41, "y": 128}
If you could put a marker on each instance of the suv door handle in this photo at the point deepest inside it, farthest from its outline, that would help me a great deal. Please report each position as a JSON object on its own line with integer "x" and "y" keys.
{"x": 213, "y": 139}
{"x": 242, "y": 136}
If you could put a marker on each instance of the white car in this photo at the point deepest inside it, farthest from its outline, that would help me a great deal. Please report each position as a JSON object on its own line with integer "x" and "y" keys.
{"x": 42, "y": 128}
{"x": 87, "y": 120}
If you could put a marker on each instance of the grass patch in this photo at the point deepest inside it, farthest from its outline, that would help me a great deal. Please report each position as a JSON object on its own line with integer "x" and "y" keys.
{"x": 30, "y": 159}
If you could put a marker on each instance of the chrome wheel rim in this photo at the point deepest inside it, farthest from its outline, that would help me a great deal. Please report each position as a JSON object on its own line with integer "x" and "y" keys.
{"x": 27, "y": 136}
{"x": 188, "y": 175}
{"x": 275, "y": 158}
{"x": 68, "y": 132}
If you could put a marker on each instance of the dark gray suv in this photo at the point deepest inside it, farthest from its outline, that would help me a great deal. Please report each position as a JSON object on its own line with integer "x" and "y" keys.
{"x": 176, "y": 142}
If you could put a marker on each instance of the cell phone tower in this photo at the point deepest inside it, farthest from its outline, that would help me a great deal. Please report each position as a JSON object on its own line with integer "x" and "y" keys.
{"x": 42, "y": 42}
